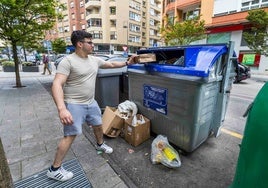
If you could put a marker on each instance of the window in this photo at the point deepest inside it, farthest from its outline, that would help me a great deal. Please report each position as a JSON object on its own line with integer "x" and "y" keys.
{"x": 81, "y": 3}
{"x": 94, "y": 22}
{"x": 219, "y": 38}
{"x": 151, "y": 42}
{"x": 97, "y": 35}
{"x": 66, "y": 29}
{"x": 113, "y": 23}
{"x": 61, "y": 29}
{"x": 255, "y": 2}
{"x": 152, "y": 13}
{"x": 152, "y": 2}
{"x": 73, "y": 16}
{"x": 170, "y": 1}
{"x": 151, "y": 32}
{"x": 135, "y": 5}
{"x": 113, "y": 35}
{"x": 191, "y": 14}
{"x": 135, "y": 39}
{"x": 152, "y": 22}
{"x": 171, "y": 18}
{"x": 72, "y": 4}
{"x": 143, "y": 14}
{"x": 245, "y": 4}
{"x": 112, "y": 10}
{"x": 82, "y": 16}
{"x": 134, "y": 16}
{"x": 134, "y": 27}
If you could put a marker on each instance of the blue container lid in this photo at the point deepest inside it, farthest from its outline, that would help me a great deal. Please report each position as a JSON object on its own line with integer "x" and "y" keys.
{"x": 198, "y": 59}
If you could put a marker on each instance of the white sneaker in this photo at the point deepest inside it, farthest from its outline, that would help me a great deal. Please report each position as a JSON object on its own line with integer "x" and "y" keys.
{"x": 61, "y": 174}
{"x": 105, "y": 148}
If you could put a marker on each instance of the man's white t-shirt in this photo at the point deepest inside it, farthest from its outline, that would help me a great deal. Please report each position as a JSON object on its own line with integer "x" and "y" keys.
{"x": 82, "y": 72}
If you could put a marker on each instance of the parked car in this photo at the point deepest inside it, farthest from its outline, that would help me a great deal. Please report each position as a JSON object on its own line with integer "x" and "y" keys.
{"x": 58, "y": 59}
{"x": 242, "y": 73}
{"x": 106, "y": 57}
{"x": 119, "y": 58}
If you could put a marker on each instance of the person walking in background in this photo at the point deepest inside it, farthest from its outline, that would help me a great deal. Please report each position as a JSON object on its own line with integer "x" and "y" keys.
{"x": 73, "y": 92}
{"x": 46, "y": 64}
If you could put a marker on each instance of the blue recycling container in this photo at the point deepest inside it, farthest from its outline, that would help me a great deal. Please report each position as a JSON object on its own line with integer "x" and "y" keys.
{"x": 184, "y": 92}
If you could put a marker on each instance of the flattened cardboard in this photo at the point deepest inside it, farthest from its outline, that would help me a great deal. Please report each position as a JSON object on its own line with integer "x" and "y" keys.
{"x": 112, "y": 123}
{"x": 145, "y": 58}
{"x": 135, "y": 135}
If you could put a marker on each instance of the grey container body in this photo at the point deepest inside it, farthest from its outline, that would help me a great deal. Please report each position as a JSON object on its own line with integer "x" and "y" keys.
{"x": 190, "y": 108}
{"x": 107, "y": 91}
{"x": 186, "y": 109}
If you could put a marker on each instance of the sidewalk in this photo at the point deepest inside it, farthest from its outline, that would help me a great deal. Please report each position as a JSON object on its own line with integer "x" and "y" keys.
{"x": 30, "y": 130}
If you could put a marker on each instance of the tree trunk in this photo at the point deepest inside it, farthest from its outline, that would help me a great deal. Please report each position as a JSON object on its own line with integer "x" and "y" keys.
{"x": 5, "y": 176}
{"x": 16, "y": 61}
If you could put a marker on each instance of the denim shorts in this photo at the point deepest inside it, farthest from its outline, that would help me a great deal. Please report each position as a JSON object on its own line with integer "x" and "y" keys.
{"x": 81, "y": 113}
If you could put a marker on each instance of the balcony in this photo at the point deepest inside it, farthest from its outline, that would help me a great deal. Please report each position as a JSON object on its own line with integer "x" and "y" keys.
{"x": 92, "y": 4}
{"x": 229, "y": 19}
{"x": 182, "y": 4}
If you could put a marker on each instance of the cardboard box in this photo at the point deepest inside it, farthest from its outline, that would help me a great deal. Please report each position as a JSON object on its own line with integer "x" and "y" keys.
{"x": 135, "y": 135}
{"x": 145, "y": 58}
{"x": 112, "y": 123}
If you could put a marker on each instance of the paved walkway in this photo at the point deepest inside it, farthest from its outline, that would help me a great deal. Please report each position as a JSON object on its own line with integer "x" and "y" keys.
{"x": 30, "y": 130}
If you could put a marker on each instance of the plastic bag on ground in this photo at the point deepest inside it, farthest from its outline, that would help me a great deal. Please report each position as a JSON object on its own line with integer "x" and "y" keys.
{"x": 162, "y": 152}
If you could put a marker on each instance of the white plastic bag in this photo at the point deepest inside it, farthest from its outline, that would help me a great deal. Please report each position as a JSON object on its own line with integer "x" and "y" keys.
{"x": 137, "y": 120}
{"x": 164, "y": 153}
{"x": 128, "y": 107}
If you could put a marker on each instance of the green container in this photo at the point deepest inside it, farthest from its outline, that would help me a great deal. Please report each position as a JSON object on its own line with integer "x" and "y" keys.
{"x": 252, "y": 165}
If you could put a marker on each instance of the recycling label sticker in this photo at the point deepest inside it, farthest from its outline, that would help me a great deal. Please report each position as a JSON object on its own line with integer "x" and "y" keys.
{"x": 155, "y": 98}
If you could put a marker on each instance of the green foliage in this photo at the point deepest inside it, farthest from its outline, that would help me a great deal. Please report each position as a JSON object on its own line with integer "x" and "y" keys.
{"x": 27, "y": 63}
{"x": 59, "y": 46}
{"x": 257, "y": 36}
{"x": 183, "y": 33}
{"x": 8, "y": 64}
{"x": 25, "y": 22}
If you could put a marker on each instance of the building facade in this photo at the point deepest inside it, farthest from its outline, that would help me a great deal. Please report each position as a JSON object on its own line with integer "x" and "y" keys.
{"x": 116, "y": 25}
{"x": 225, "y": 21}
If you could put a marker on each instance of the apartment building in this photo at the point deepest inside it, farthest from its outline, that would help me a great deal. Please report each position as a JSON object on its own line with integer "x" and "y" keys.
{"x": 73, "y": 18}
{"x": 116, "y": 25}
{"x": 225, "y": 21}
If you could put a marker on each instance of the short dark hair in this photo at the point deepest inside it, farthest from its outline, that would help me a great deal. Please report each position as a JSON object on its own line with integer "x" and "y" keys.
{"x": 79, "y": 35}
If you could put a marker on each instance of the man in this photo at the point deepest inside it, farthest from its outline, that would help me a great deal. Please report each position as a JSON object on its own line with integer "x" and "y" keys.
{"x": 73, "y": 92}
{"x": 46, "y": 64}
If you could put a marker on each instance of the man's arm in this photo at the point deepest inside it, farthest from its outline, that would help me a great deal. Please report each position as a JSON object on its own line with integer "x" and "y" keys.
{"x": 130, "y": 61}
{"x": 58, "y": 96}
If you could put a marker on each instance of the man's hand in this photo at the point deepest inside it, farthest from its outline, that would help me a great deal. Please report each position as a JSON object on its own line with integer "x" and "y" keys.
{"x": 132, "y": 60}
{"x": 65, "y": 117}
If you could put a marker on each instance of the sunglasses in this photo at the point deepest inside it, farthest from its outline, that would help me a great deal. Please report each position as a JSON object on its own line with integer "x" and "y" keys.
{"x": 89, "y": 42}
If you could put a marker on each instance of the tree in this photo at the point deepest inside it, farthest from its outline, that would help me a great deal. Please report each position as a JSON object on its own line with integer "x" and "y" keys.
{"x": 183, "y": 33}
{"x": 25, "y": 21}
{"x": 257, "y": 36}
{"x": 59, "y": 46}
